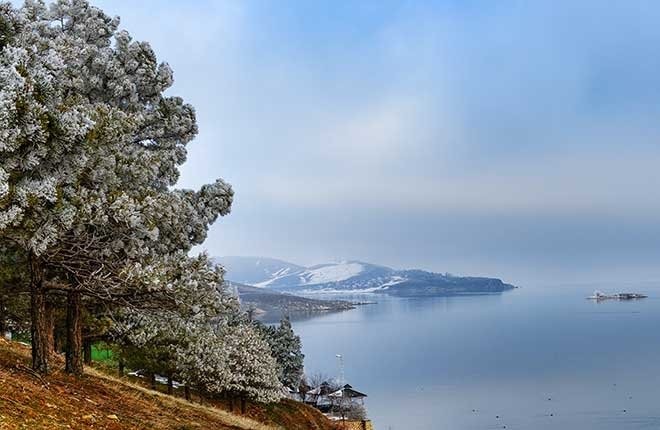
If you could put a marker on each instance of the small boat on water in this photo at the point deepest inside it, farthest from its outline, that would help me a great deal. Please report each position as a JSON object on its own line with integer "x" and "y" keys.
{"x": 618, "y": 296}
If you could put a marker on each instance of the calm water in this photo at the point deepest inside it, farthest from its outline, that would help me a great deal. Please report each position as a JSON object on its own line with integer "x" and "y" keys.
{"x": 539, "y": 358}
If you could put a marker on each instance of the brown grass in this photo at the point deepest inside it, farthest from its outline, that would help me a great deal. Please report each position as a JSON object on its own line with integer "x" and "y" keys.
{"x": 100, "y": 401}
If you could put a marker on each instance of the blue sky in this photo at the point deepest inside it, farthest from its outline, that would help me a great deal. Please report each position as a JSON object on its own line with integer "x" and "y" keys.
{"x": 506, "y": 138}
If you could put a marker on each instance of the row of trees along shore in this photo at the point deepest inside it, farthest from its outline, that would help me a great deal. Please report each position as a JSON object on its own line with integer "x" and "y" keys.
{"x": 94, "y": 235}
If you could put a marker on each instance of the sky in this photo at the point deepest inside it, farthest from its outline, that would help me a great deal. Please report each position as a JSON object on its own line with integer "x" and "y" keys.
{"x": 504, "y": 138}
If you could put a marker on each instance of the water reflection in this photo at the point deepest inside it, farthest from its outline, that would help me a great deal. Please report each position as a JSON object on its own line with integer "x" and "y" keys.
{"x": 460, "y": 362}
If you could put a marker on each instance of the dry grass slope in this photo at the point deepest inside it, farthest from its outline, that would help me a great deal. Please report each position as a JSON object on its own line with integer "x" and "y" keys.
{"x": 99, "y": 401}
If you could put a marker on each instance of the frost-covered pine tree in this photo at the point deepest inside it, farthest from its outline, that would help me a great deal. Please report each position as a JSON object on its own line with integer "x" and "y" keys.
{"x": 287, "y": 351}
{"x": 134, "y": 274}
{"x": 253, "y": 371}
{"x": 89, "y": 148}
{"x": 191, "y": 301}
{"x": 38, "y": 136}
{"x": 201, "y": 338}
{"x": 234, "y": 360}
{"x": 202, "y": 360}
{"x": 89, "y": 152}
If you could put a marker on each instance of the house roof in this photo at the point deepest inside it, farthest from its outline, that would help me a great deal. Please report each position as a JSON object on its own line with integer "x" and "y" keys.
{"x": 347, "y": 391}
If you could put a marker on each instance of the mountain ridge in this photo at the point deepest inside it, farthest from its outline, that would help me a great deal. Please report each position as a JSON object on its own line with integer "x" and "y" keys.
{"x": 352, "y": 276}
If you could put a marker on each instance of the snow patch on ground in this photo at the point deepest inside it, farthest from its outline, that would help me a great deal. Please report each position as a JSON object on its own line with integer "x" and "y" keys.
{"x": 159, "y": 379}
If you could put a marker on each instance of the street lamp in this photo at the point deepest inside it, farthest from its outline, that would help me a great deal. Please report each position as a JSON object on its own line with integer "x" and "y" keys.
{"x": 341, "y": 369}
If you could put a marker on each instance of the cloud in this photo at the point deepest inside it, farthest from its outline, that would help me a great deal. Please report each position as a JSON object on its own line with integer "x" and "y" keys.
{"x": 466, "y": 136}
{"x": 378, "y": 133}
{"x": 570, "y": 184}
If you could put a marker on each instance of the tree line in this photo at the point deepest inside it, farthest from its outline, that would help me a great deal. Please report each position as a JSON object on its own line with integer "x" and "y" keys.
{"x": 94, "y": 233}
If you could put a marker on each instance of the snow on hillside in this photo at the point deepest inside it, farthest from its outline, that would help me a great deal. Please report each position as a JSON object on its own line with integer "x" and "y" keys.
{"x": 393, "y": 281}
{"x": 331, "y": 273}
{"x": 345, "y": 275}
{"x": 271, "y": 281}
{"x": 282, "y": 272}
{"x": 321, "y": 274}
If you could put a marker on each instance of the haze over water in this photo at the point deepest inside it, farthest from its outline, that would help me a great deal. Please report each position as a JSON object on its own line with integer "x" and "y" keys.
{"x": 537, "y": 357}
{"x": 510, "y": 139}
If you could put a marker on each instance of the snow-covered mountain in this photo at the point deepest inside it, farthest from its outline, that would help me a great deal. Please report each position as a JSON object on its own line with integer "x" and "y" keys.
{"x": 352, "y": 276}
{"x": 345, "y": 275}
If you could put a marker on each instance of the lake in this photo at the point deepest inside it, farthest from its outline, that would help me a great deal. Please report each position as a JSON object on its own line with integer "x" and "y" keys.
{"x": 532, "y": 358}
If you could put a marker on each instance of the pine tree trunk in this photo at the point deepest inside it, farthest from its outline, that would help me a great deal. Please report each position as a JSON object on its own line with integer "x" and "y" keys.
{"x": 87, "y": 352}
{"x": 170, "y": 385}
{"x": 38, "y": 325}
{"x": 243, "y": 405}
{"x": 74, "y": 347}
{"x": 152, "y": 380}
{"x": 57, "y": 338}
{"x": 121, "y": 368}
{"x": 3, "y": 324}
{"x": 50, "y": 328}
{"x": 186, "y": 392}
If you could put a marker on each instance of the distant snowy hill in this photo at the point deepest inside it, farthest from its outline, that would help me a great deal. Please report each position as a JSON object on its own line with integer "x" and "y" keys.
{"x": 352, "y": 276}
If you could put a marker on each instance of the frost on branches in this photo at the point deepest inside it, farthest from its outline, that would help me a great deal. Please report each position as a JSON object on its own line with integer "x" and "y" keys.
{"x": 88, "y": 137}
{"x": 233, "y": 360}
{"x": 90, "y": 150}
{"x": 90, "y": 147}
{"x": 200, "y": 338}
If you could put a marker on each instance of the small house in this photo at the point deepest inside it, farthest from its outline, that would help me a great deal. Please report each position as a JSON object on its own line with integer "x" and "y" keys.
{"x": 318, "y": 397}
{"x": 348, "y": 393}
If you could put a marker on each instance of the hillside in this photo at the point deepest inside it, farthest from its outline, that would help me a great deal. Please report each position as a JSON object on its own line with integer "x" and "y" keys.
{"x": 356, "y": 277}
{"x": 252, "y": 270}
{"x": 100, "y": 401}
{"x": 272, "y": 305}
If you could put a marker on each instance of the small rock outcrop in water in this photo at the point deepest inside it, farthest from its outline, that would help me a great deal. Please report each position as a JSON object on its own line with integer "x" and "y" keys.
{"x": 598, "y": 296}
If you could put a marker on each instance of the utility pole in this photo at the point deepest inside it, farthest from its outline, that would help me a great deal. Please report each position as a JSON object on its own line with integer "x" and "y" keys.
{"x": 341, "y": 369}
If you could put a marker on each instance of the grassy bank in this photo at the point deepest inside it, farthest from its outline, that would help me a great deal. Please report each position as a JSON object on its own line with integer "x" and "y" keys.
{"x": 101, "y": 401}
